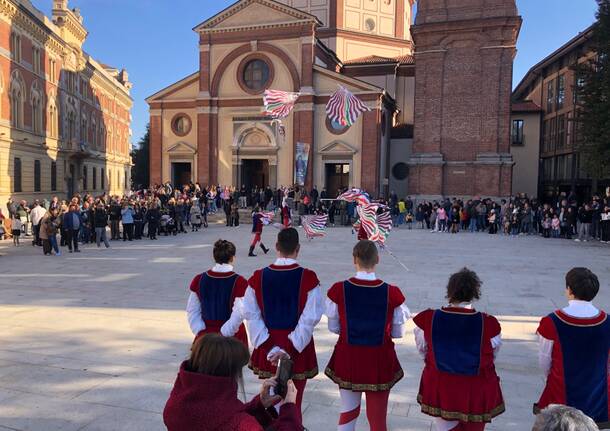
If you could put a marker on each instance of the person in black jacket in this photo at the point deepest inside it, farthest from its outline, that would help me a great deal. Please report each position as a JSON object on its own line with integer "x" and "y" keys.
{"x": 115, "y": 218}
{"x": 100, "y": 221}
{"x": 138, "y": 221}
{"x": 152, "y": 217}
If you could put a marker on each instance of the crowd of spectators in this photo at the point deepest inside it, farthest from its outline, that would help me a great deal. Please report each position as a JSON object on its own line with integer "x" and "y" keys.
{"x": 520, "y": 215}
{"x": 168, "y": 210}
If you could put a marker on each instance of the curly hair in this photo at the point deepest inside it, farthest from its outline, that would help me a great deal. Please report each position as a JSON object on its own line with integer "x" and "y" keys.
{"x": 464, "y": 286}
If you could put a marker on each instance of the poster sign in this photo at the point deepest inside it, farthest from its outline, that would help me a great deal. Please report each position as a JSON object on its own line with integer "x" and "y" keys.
{"x": 301, "y": 159}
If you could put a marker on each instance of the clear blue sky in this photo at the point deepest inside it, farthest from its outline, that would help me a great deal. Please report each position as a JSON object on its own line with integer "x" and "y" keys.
{"x": 154, "y": 41}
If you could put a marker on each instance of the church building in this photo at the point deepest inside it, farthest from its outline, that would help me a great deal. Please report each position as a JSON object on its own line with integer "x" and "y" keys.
{"x": 210, "y": 127}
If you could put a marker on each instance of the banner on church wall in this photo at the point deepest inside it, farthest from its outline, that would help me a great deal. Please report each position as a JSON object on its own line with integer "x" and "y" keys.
{"x": 300, "y": 160}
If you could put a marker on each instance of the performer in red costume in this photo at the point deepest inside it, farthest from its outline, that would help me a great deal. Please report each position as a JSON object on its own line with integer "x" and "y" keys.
{"x": 366, "y": 313}
{"x": 214, "y": 305}
{"x": 574, "y": 346}
{"x": 257, "y": 231}
{"x": 286, "y": 214}
{"x": 459, "y": 385}
{"x": 282, "y": 306}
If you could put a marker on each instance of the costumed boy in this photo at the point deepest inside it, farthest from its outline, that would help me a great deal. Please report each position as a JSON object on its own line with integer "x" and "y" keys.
{"x": 257, "y": 231}
{"x": 214, "y": 305}
{"x": 282, "y": 306}
{"x": 366, "y": 313}
{"x": 459, "y": 385}
{"x": 574, "y": 346}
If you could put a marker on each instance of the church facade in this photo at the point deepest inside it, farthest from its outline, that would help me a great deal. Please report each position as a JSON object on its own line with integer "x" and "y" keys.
{"x": 210, "y": 127}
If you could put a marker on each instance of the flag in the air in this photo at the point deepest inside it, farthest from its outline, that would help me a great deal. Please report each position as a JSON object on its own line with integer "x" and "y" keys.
{"x": 344, "y": 108}
{"x": 279, "y": 104}
{"x": 377, "y": 226}
{"x": 314, "y": 225}
{"x": 355, "y": 195}
{"x": 267, "y": 217}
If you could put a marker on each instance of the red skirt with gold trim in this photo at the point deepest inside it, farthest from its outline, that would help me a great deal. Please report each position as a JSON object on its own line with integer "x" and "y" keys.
{"x": 464, "y": 398}
{"x": 364, "y": 368}
{"x": 305, "y": 363}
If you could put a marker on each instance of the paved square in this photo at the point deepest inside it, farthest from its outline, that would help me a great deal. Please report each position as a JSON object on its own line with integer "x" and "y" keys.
{"x": 92, "y": 341}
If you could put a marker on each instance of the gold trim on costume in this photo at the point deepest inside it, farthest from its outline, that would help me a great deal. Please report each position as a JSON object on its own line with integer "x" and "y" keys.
{"x": 583, "y": 318}
{"x": 357, "y": 387}
{"x": 300, "y": 376}
{"x": 457, "y": 416}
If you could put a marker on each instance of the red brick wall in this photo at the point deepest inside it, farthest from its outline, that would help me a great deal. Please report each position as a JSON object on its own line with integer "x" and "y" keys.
{"x": 203, "y": 148}
{"x": 156, "y": 139}
{"x": 371, "y": 137}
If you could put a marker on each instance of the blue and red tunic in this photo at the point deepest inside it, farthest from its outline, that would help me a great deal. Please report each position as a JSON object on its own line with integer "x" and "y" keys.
{"x": 459, "y": 381}
{"x": 579, "y": 371}
{"x": 257, "y": 223}
{"x": 281, "y": 294}
{"x": 217, "y": 292}
{"x": 364, "y": 358}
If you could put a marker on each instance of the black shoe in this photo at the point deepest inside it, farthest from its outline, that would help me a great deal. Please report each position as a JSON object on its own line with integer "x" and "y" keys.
{"x": 265, "y": 250}
{"x": 77, "y": 251}
{"x": 251, "y": 252}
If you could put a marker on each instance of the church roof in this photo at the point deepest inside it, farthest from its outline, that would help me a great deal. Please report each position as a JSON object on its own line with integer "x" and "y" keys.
{"x": 376, "y": 59}
{"x": 238, "y": 6}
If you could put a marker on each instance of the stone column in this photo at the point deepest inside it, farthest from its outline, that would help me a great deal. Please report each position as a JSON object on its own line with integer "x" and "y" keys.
{"x": 156, "y": 151}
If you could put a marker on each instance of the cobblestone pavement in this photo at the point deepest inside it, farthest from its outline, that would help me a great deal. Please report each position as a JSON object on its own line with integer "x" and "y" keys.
{"x": 92, "y": 341}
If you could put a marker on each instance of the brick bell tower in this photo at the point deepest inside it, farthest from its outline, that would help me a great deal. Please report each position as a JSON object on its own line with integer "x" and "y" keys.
{"x": 464, "y": 51}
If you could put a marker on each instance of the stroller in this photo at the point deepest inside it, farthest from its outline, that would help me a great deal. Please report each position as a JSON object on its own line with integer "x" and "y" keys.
{"x": 167, "y": 225}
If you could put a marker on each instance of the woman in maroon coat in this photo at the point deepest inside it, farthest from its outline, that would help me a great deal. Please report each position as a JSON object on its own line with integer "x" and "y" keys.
{"x": 204, "y": 397}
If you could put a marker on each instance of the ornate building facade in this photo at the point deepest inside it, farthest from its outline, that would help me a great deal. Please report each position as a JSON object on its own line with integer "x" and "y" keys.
{"x": 64, "y": 117}
{"x": 209, "y": 127}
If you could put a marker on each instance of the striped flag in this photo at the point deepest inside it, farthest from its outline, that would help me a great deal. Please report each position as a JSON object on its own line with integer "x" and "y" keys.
{"x": 355, "y": 195}
{"x": 344, "y": 108}
{"x": 314, "y": 226}
{"x": 267, "y": 217}
{"x": 279, "y": 104}
{"x": 376, "y": 226}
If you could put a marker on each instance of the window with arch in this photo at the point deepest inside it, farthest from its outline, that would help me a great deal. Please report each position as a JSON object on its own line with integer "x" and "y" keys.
{"x": 37, "y": 113}
{"x": 93, "y": 133}
{"x": 83, "y": 129}
{"x": 94, "y": 177}
{"x": 103, "y": 178}
{"x": 52, "y": 119}
{"x": 16, "y": 47}
{"x": 17, "y": 99}
{"x": 71, "y": 126}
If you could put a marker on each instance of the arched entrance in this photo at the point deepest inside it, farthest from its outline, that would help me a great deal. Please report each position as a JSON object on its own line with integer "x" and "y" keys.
{"x": 255, "y": 156}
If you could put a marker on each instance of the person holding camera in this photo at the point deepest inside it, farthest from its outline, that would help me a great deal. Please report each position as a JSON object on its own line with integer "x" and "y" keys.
{"x": 205, "y": 394}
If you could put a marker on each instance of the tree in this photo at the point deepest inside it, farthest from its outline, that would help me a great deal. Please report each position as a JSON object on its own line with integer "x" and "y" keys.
{"x": 140, "y": 154}
{"x": 593, "y": 101}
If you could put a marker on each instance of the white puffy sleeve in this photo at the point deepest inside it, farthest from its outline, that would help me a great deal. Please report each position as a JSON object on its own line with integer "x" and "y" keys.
{"x": 332, "y": 314}
{"x": 310, "y": 317}
{"x": 399, "y": 319}
{"x": 257, "y": 329}
{"x": 193, "y": 312}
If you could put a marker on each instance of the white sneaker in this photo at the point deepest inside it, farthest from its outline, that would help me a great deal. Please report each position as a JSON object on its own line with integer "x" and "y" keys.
{"x": 577, "y": 240}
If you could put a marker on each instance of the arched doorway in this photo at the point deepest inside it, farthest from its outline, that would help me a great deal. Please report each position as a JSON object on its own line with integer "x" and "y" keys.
{"x": 255, "y": 157}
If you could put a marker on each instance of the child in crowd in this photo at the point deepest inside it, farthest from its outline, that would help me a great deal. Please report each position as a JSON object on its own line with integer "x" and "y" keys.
{"x": 214, "y": 305}
{"x": 16, "y": 229}
{"x": 546, "y": 227}
{"x": 493, "y": 227}
{"x": 366, "y": 313}
{"x": 556, "y": 226}
{"x": 574, "y": 345}
{"x": 459, "y": 385}
{"x": 410, "y": 220}
{"x": 282, "y": 306}
{"x": 515, "y": 225}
